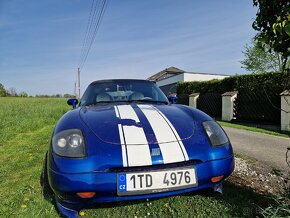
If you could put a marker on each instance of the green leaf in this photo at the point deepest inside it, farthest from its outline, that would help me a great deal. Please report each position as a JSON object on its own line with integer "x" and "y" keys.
{"x": 287, "y": 29}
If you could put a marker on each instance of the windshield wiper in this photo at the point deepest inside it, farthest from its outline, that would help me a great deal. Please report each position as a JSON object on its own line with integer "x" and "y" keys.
{"x": 137, "y": 100}
{"x": 99, "y": 102}
{"x": 148, "y": 100}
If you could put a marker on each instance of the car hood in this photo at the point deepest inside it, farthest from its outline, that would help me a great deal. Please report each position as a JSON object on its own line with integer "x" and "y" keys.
{"x": 138, "y": 123}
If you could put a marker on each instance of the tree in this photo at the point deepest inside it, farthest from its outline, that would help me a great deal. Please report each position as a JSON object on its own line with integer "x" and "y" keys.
{"x": 68, "y": 96}
{"x": 273, "y": 23}
{"x": 23, "y": 94}
{"x": 258, "y": 59}
{"x": 3, "y": 92}
{"x": 12, "y": 92}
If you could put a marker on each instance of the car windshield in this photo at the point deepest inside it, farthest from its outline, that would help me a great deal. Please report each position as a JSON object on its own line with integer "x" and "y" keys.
{"x": 122, "y": 91}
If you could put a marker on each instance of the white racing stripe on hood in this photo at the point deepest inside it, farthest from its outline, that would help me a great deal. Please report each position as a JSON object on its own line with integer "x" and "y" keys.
{"x": 175, "y": 133}
{"x": 170, "y": 144}
{"x": 137, "y": 154}
{"x": 122, "y": 140}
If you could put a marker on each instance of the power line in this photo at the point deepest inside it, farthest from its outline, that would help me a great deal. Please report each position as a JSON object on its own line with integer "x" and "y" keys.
{"x": 94, "y": 8}
{"x": 94, "y": 33}
{"x": 100, "y": 17}
{"x": 97, "y": 11}
{"x": 87, "y": 29}
{"x": 94, "y": 22}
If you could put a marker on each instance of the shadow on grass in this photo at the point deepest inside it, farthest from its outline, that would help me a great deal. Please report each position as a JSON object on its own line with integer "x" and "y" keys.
{"x": 281, "y": 208}
{"x": 47, "y": 192}
{"x": 242, "y": 201}
{"x": 238, "y": 201}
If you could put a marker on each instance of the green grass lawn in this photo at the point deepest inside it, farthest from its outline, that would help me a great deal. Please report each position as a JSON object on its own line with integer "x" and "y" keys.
{"x": 25, "y": 129}
{"x": 253, "y": 129}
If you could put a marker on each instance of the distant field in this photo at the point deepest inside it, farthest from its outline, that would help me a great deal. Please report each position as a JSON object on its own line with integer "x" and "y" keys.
{"x": 26, "y": 125}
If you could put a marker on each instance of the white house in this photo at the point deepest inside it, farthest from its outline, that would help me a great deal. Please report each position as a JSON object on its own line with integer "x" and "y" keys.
{"x": 168, "y": 78}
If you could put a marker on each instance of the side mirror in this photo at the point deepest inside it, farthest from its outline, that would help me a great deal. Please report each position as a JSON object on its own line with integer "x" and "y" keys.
{"x": 172, "y": 99}
{"x": 73, "y": 102}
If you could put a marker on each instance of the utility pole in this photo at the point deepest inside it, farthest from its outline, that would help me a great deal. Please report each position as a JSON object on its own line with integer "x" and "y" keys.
{"x": 75, "y": 89}
{"x": 78, "y": 85}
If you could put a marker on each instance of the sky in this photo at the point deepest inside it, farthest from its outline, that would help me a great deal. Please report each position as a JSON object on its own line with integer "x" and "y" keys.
{"x": 41, "y": 41}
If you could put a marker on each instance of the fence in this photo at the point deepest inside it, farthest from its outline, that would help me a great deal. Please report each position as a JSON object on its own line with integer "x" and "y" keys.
{"x": 183, "y": 99}
{"x": 210, "y": 103}
{"x": 258, "y": 107}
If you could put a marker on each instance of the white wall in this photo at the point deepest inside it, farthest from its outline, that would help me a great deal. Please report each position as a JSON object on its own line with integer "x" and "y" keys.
{"x": 228, "y": 107}
{"x": 170, "y": 80}
{"x": 186, "y": 77}
{"x": 285, "y": 117}
{"x": 200, "y": 77}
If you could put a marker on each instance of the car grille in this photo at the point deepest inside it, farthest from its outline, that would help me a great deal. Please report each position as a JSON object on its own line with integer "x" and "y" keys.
{"x": 155, "y": 167}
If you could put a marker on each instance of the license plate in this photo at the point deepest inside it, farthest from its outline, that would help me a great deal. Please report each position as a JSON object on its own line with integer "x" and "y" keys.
{"x": 155, "y": 181}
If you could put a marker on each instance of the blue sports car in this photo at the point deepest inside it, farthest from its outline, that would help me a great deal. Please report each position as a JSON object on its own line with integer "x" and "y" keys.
{"x": 125, "y": 141}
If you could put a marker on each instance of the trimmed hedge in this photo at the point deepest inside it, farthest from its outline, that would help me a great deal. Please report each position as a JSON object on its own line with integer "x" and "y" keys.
{"x": 259, "y": 83}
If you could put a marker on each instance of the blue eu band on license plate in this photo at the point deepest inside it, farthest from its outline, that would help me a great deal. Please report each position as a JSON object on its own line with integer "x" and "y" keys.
{"x": 156, "y": 181}
{"x": 122, "y": 183}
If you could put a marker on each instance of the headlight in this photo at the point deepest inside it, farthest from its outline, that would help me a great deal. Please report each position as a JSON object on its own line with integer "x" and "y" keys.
{"x": 69, "y": 143}
{"x": 215, "y": 133}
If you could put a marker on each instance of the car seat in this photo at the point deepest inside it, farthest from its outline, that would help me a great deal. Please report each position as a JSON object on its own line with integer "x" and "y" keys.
{"x": 136, "y": 96}
{"x": 103, "y": 97}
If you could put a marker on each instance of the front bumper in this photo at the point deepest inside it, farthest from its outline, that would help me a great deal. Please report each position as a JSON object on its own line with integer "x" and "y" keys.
{"x": 66, "y": 185}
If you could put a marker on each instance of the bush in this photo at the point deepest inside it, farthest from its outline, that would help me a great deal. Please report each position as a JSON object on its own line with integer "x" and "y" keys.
{"x": 274, "y": 82}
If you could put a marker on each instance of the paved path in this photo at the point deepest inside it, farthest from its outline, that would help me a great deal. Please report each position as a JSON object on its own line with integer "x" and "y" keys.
{"x": 266, "y": 148}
